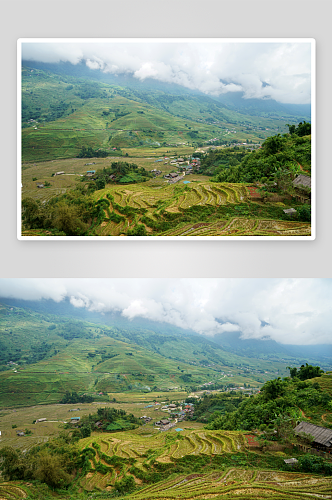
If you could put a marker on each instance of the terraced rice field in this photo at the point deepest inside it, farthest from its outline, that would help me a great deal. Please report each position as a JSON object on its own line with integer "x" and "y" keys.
{"x": 143, "y": 448}
{"x": 11, "y": 491}
{"x": 155, "y": 202}
{"x": 239, "y": 483}
{"x": 242, "y": 227}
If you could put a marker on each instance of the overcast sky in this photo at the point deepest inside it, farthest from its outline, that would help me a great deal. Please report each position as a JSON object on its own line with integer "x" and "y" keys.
{"x": 290, "y": 311}
{"x": 281, "y": 71}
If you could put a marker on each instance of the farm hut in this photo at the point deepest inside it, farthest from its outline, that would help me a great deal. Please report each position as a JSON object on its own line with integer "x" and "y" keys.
{"x": 291, "y": 461}
{"x": 40, "y": 185}
{"x": 290, "y": 211}
{"x": 40, "y": 420}
{"x": 321, "y": 435}
{"x": 20, "y": 433}
{"x": 112, "y": 177}
{"x": 302, "y": 185}
{"x": 74, "y": 420}
{"x": 98, "y": 424}
{"x": 59, "y": 173}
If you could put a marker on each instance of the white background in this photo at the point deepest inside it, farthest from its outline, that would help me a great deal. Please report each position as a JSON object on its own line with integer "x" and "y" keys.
{"x": 161, "y": 18}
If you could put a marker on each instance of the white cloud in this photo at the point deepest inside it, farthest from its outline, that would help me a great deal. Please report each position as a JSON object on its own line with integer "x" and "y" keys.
{"x": 294, "y": 311}
{"x": 213, "y": 68}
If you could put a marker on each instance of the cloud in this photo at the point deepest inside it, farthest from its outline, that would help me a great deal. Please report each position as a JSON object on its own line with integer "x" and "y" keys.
{"x": 290, "y": 311}
{"x": 210, "y": 67}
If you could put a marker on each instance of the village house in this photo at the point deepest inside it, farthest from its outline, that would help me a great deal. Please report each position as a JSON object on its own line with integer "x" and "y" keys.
{"x": 146, "y": 419}
{"x": 75, "y": 420}
{"x": 163, "y": 421}
{"x": 59, "y": 173}
{"x": 290, "y": 211}
{"x": 40, "y": 420}
{"x": 302, "y": 186}
{"x": 291, "y": 461}
{"x": 90, "y": 173}
{"x": 322, "y": 437}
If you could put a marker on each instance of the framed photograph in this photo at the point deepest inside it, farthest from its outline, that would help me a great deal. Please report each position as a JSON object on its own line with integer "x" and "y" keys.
{"x": 166, "y": 139}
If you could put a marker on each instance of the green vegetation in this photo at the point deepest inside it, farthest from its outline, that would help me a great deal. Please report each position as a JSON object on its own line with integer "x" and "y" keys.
{"x": 108, "y": 419}
{"x": 203, "y": 209}
{"x": 275, "y": 410}
{"x": 275, "y": 164}
{"x": 306, "y": 372}
{"x": 195, "y": 464}
{"x": 72, "y": 398}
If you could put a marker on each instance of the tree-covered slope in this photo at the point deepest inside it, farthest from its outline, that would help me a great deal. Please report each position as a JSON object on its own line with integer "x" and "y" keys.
{"x": 277, "y": 162}
{"x": 277, "y": 408}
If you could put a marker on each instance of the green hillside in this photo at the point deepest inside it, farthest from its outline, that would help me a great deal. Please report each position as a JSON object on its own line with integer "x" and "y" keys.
{"x": 60, "y": 114}
{"x": 43, "y": 355}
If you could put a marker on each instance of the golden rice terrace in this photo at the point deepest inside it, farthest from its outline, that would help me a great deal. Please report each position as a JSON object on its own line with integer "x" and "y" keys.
{"x": 195, "y": 209}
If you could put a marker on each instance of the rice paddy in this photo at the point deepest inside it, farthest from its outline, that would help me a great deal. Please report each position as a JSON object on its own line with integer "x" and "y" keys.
{"x": 239, "y": 483}
{"x": 199, "y": 209}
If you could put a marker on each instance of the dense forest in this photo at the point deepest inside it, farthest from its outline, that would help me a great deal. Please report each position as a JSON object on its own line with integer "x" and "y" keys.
{"x": 280, "y": 403}
{"x": 275, "y": 164}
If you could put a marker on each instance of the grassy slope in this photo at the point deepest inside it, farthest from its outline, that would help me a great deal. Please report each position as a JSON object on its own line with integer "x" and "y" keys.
{"x": 83, "y": 122}
{"x": 65, "y": 363}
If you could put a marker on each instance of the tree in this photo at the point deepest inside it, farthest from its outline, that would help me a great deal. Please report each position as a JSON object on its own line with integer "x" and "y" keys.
{"x": 304, "y": 213}
{"x": 67, "y": 219}
{"x": 12, "y": 465}
{"x": 138, "y": 230}
{"x": 274, "y": 144}
{"x": 274, "y": 388}
{"x": 305, "y": 372}
{"x": 49, "y": 470}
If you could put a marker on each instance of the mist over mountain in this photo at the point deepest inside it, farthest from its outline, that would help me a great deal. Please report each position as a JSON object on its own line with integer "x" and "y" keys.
{"x": 144, "y": 332}
{"x": 234, "y": 101}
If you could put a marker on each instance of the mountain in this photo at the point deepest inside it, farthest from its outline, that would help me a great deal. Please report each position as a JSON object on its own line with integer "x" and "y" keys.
{"x": 230, "y": 100}
{"x": 270, "y": 349}
{"x": 46, "y": 352}
{"x": 66, "y": 107}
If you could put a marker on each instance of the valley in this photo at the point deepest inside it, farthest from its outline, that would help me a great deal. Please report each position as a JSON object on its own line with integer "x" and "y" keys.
{"x": 86, "y": 141}
{"x": 114, "y": 408}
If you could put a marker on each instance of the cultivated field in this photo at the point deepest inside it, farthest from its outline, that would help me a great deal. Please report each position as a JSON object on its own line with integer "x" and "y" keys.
{"x": 180, "y": 210}
{"x": 239, "y": 483}
{"x": 133, "y": 454}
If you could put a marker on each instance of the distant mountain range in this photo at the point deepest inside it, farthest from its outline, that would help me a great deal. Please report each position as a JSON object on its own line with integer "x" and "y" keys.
{"x": 233, "y": 101}
{"x": 143, "y": 332}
